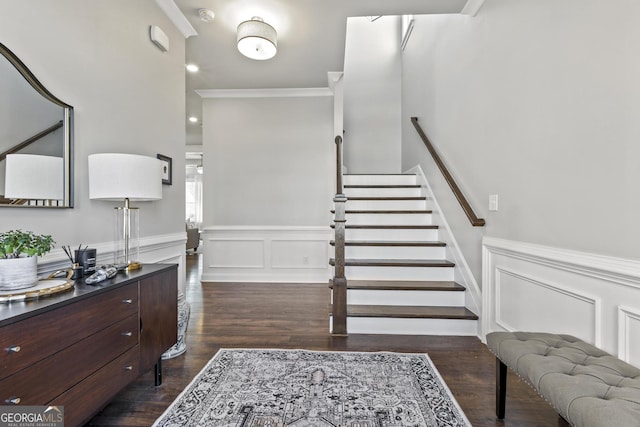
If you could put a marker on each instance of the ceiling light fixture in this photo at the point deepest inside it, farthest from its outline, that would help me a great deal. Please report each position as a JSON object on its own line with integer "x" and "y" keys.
{"x": 206, "y": 15}
{"x": 193, "y": 119}
{"x": 192, "y": 67}
{"x": 257, "y": 39}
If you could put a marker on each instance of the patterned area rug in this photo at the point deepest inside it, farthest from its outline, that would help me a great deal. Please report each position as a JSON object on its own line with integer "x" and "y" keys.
{"x": 274, "y": 388}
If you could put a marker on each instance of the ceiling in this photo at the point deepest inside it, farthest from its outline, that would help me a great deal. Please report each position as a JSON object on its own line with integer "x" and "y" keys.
{"x": 311, "y": 36}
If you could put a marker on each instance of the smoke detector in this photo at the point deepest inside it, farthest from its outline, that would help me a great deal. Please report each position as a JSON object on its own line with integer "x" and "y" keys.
{"x": 206, "y": 15}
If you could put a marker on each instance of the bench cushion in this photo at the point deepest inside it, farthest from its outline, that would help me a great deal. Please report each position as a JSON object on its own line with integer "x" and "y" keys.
{"x": 587, "y": 386}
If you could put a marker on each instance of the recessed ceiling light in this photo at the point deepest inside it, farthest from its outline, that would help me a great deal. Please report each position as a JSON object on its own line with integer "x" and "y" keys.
{"x": 193, "y": 119}
{"x": 192, "y": 67}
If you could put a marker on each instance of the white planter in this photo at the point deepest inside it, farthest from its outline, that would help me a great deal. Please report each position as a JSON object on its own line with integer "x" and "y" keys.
{"x": 18, "y": 273}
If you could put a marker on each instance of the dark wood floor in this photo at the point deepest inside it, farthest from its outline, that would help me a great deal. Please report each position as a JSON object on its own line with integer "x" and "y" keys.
{"x": 242, "y": 315}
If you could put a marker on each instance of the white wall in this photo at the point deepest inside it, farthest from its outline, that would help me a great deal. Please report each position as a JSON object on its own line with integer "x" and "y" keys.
{"x": 128, "y": 97}
{"x": 372, "y": 96}
{"x": 268, "y": 187}
{"x": 536, "y": 101}
{"x": 269, "y": 161}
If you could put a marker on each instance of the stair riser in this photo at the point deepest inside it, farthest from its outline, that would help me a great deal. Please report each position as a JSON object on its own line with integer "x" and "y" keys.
{"x": 395, "y": 326}
{"x": 390, "y": 297}
{"x": 394, "y": 252}
{"x": 382, "y": 192}
{"x": 399, "y": 273}
{"x": 379, "y": 179}
{"x": 421, "y": 235}
{"x": 389, "y": 219}
{"x": 386, "y": 205}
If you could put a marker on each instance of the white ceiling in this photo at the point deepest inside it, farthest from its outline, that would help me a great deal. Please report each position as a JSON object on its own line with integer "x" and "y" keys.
{"x": 311, "y": 35}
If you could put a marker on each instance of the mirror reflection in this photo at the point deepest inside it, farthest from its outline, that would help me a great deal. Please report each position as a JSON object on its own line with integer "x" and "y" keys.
{"x": 36, "y": 133}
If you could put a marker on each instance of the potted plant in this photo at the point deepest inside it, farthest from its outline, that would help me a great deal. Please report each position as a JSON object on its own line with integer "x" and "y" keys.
{"x": 19, "y": 252}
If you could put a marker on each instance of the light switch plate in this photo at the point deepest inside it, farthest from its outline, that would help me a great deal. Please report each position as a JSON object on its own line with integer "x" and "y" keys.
{"x": 493, "y": 202}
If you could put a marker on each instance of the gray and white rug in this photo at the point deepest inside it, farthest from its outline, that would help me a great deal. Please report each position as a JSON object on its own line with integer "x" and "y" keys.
{"x": 277, "y": 388}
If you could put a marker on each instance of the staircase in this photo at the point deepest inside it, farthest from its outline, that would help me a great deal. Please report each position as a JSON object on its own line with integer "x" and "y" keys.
{"x": 398, "y": 278}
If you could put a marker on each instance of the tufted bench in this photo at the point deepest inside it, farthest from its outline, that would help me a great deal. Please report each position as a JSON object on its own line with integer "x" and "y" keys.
{"x": 585, "y": 385}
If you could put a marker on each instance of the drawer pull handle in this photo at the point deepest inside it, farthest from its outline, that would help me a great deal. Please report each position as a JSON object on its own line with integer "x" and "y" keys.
{"x": 13, "y": 349}
{"x": 127, "y": 301}
{"x": 126, "y": 334}
{"x": 128, "y": 368}
{"x": 13, "y": 400}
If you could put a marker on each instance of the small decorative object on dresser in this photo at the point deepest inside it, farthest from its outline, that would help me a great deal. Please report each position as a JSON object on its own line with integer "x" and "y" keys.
{"x": 18, "y": 258}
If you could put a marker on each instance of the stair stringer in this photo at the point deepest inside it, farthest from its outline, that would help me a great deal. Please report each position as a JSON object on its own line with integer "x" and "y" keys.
{"x": 462, "y": 272}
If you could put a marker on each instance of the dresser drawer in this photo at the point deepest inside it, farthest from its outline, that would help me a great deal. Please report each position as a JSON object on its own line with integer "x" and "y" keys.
{"x": 88, "y": 397}
{"x": 25, "y": 342}
{"x": 50, "y": 377}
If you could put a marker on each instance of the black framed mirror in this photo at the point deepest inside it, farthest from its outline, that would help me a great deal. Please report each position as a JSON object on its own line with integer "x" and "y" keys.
{"x": 36, "y": 140}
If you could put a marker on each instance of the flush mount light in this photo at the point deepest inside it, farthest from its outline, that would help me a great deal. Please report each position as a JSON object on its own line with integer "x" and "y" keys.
{"x": 193, "y": 119}
{"x": 257, "y": 39}
{"x": 192, "y": 67}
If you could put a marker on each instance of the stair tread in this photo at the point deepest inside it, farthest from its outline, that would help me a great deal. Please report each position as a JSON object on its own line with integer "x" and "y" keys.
{"x": 403, "y": 285}
{"x": 388, "y": 198}
{"x": 391, "y": 226}
{"x": 381, "y": 186}
{"x": 378, "y": 174}
{"x": 390, "y": 243}
{"x": 408, "y": 211}
{"x": 362, "y": 262}
{"x": 411, "y": 312}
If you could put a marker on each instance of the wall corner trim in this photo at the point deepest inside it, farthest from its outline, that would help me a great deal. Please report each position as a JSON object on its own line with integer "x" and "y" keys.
{"x": 265, "y": 93}
{"x": 177, "y": 17}
{"x": 472, "y": 7}
{"x": 334, "y": 77}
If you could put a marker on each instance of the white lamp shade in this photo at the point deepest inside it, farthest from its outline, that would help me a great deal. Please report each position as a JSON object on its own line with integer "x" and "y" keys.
{"x": 116, "y": 176}
{"x": 30, "y": 176}
{"x": 257, "y": 39}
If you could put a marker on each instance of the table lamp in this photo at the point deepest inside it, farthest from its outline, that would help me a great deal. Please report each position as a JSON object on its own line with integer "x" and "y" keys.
{"x": 128, "y": 177}
{"x": 34, "y": 177}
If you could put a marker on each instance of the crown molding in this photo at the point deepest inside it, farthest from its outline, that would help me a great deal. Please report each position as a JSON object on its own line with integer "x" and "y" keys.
{"x": 472, "y": 7}
{"x": 265, "y": 93}
{"x": 177, "y": 17}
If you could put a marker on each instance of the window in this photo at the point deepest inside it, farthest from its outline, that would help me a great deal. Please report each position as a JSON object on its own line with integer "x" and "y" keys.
{"x": 193, "y": 196}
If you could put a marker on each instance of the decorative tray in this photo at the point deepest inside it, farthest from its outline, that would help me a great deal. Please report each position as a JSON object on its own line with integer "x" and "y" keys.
{"x": 44, "y": 288}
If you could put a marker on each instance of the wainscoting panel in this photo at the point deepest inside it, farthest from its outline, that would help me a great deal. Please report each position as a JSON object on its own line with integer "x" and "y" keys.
{"x": 298, "y": 253}
{"x": 538, "y": 288}
{"x": 236, "y": 253}
{"x": 628, "y": 342}
{"x": 265, "y": 254}
{"x": 547, "y": 306}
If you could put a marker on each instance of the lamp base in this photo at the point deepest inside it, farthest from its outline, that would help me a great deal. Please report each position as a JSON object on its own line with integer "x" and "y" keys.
{"x": 133, "y": 265}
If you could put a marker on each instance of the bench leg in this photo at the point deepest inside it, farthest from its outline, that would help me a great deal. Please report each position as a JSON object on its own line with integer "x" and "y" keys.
{"x": 501, "y": 388}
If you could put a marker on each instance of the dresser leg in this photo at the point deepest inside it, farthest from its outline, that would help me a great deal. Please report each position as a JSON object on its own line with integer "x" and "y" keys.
{"x": 158, "y": 372}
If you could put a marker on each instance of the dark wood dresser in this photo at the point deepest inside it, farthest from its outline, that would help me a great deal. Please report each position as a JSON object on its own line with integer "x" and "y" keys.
{"x": 79, "y": 348}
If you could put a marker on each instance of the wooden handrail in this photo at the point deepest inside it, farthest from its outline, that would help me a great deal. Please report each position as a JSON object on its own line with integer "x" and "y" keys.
{"x": 31, "y": 140}
{"x": 466, "y": 207}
